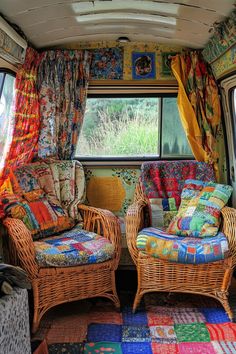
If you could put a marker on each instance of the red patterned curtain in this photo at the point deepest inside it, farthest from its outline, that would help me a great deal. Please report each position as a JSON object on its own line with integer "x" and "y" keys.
{"x": 26, "y": 116}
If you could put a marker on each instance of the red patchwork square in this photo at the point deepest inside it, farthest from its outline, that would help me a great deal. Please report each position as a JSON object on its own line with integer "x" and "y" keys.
{"x": 222, "y": 331}
{"x": 158, "y": 348}
{"x": 155, "y": 319}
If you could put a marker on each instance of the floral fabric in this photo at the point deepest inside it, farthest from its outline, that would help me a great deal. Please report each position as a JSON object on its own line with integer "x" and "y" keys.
{"x": 62, "y": 83}
{"x": 74, "y": 247}
{"x": 199, "y": 212}
{"x": 175, "y": 248}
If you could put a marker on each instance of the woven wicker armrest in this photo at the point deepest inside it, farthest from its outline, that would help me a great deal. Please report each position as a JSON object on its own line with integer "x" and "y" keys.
{"x": 134, "y": 222}
{"x": 229, "y": 229}
{"x": 22, "y": 246}
{"x": 103, "y": 222}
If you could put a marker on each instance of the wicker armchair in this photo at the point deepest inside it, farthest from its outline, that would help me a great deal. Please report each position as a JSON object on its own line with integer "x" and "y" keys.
{"x": 55, "y": 285}
{"x": 157, "y": 275}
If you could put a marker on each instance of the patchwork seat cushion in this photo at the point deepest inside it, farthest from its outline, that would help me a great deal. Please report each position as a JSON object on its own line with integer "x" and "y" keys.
{"x": 74, "y": 247}
{"x": 162, "y": 245}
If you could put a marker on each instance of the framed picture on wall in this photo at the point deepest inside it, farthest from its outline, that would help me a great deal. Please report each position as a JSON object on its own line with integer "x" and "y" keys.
{"x": 107, "y": 64}
{"x": 143, "y": 65}
{"x": 165, "y": 63}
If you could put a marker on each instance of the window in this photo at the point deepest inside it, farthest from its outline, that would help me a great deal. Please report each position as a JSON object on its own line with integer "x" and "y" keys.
{"x": 7, "y": 94}
{"x": 132, "y": 127}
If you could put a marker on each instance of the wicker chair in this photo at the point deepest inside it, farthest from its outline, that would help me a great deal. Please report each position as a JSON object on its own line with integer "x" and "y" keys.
{"x": 55, "y": 285}
{"x": 157, "y": 275}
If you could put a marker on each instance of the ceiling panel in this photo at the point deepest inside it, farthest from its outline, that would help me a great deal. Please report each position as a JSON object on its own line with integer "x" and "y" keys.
{"x": 54, "y": 22}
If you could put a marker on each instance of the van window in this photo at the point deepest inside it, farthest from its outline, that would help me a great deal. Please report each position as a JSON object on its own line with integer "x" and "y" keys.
{"x": 132, "y": 127}
{"x": 7, "y": 95}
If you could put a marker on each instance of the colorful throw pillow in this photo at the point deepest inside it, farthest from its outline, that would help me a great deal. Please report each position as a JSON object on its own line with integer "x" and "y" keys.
{"x": 42, "y": 217}
{"x": 199, "y": 212}
{"x": 158, "y": 208}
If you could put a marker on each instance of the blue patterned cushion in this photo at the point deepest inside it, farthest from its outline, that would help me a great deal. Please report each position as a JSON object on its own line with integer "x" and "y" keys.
{"x": 71, "y": 248}
{"x": 179, "y": 249}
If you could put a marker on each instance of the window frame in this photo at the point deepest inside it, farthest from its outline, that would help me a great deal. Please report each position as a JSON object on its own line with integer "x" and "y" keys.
{"x": 132, "y": 89}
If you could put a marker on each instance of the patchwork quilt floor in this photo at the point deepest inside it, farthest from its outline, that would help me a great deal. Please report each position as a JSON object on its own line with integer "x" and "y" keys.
{"x": 164, "y": 323}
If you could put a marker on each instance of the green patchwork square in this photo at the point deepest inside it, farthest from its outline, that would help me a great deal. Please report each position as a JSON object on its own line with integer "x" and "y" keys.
{"x": 195, "y": 332}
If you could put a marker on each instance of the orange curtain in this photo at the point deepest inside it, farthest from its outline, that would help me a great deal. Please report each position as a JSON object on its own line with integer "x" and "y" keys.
{"x": 26, "y": 116}
{"x": 199, "y": 105}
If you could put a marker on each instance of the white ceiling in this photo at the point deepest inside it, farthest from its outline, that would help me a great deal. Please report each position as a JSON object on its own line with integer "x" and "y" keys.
{"x": 56, "y": 22}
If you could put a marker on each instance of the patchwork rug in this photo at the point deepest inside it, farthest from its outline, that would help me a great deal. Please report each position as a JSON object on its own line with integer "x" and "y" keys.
{"x": 166, "y": 324}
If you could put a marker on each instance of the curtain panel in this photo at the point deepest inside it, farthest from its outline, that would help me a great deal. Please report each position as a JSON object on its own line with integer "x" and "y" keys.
{"x": 62, "y": 84}
{"x": 199, "y": 105}
{"x": 26, "y": 120}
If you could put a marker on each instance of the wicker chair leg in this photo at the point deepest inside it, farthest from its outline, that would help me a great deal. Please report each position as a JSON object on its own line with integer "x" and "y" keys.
{"x": 223, "y": 298}
{"x": 137, "y": 300}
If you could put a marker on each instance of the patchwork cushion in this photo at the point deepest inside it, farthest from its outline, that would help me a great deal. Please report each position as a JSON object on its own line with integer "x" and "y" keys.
{"x": 199, "y": 212}
{"x": 74, "y": 247}
{"x": 161, "y": 211}
{"x": 42, "y": 217}
{"x": 175, "y": 248}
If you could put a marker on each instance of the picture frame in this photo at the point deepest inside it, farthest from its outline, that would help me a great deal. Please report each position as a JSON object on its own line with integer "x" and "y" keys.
{"x": 165, "y": 63}
{"x": 143, "y": 65}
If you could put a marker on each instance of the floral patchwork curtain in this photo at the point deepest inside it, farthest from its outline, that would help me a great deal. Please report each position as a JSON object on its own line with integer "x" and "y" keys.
{"x": 198, "y": 104}
{"x": 62, "y": 83}
{"x": 26, "y": 118}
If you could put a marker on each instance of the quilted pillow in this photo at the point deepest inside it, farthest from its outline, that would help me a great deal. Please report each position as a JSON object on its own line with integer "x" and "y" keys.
{"x": 159, "y": 208}
{"x": 42, "y": 217}
{"x": 199, "y": 212}
{"x": 36, "y": 204}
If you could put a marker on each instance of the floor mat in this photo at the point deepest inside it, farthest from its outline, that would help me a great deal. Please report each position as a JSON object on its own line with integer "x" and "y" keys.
{"x": 164, "y": 323}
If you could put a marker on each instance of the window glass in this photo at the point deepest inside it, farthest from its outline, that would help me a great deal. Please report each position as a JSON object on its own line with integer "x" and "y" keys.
{"x": 130, "y": 127}
{"x": 174, "y": 141}
{"x": 7, "y": 94}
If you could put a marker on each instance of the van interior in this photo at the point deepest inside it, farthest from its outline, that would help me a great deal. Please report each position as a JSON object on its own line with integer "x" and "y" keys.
{"x": 117, "y": 176}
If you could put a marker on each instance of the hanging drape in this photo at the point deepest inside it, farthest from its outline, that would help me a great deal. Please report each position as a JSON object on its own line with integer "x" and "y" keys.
{"x": 62, "y": 83}
{"x": 198, "y": 104}
{"x": 26, "y": 118}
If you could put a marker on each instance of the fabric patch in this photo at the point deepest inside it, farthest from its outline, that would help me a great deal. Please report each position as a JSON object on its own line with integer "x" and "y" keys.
{"x": 199, "y": 212}
{"x": 136, "y": 348}
{"x": 104, "y": 332}
{"x": 196, "y": 332}
{"x": 24, "y": 180}
{"x": 158, "y": 348}
{"x": 156, "y": 319}
{"x": 215, "y": 315}
{"x": 224, "y": 347}
{"x": 188, "y": 317}
{"x": 137, "y": 318}
{"x": 136, "y": 334}
{"x": 61, "y": 348}
{"x": 73, "y": 247}
{"x": 158, "y": 207}
{"x": 196, "y": 348}
{"x": 190, "y": 250}
{"x": 223, "y": 331}
{"x": 163, "y": 334}
{"x": 102, "y": 347}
